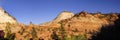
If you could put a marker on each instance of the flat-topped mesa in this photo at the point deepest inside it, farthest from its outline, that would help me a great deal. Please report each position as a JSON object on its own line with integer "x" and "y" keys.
{"x": 5, "y": 17}
{"x": 63, "y": 15}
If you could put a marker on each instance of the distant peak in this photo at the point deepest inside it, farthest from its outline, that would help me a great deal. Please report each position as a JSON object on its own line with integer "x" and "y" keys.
{"x": 64, "y": 15}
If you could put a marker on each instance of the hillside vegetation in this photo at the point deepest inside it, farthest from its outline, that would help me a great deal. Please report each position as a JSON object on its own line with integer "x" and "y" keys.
{"x": 67, "y": 26}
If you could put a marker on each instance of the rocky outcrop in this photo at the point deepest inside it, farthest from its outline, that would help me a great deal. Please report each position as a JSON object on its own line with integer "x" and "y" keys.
{"x": 5, "y": 17}
{"x": 62, "y": 16}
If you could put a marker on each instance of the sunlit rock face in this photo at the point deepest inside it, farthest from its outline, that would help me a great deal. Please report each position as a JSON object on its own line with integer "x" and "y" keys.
{"x": 62, "y": 16}
{"x": 5, "y": 17}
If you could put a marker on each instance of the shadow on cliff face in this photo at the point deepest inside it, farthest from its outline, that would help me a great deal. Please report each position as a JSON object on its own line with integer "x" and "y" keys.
{"x": 109, "y": 32}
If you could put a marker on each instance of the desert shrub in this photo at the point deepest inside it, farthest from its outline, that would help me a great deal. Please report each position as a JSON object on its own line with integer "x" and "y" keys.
{"x": 73, "y": 37}
{"x": 7, "y": 29}
{"x": 48, "y": 29}
{"x": 62, "y": 32}
{"x": 33, "y": 32}
{"x": 54, "y": 35}
{"x": 10, "y": 37}
{"x": 8, "y": 34}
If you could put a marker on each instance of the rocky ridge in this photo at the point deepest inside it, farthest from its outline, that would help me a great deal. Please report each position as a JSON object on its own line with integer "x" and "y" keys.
{"x": 66, "y": 25}
{"x": 62, "y": 16}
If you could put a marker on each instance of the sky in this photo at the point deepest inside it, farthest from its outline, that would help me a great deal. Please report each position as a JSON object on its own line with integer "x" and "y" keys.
{"x": 39, "y": 11}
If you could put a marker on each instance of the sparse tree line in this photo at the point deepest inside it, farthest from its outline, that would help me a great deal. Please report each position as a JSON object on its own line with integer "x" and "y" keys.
{"x": 61, "y": 35}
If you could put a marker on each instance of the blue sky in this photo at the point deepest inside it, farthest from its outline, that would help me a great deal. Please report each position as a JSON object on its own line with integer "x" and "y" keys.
{"x": 39, "y": 11}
